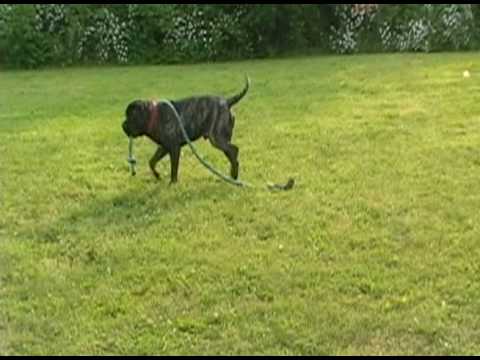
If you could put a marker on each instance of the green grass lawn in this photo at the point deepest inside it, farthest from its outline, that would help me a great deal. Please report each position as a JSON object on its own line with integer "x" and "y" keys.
{"x": 375, "y": 251}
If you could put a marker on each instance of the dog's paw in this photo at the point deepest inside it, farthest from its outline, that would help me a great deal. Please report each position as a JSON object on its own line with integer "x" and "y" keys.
{"x": 234, "y": 171}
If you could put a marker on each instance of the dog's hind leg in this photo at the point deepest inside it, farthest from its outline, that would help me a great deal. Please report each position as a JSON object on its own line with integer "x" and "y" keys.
{"x": 159, "y": 155}
{"x": 230, "y": 151}
{"x": 220, "y": 137}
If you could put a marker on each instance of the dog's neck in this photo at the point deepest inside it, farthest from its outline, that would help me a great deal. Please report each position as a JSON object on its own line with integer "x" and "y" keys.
{"x": 153, "y": 117}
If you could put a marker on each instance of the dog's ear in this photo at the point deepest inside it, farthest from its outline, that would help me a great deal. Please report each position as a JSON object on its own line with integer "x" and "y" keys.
{"x": 137, "y": 111}
{"x": 133, "y": 108}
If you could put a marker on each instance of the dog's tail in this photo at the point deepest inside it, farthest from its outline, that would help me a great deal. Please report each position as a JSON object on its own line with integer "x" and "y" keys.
{"x": 236, "y": 98}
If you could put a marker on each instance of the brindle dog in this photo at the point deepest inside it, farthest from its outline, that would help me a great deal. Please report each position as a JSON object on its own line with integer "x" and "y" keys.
{"x": 207, "y": 116}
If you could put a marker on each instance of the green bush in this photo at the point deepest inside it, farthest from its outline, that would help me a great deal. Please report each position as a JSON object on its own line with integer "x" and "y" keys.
{"x": 282, "y": 28}
{"x": 426, "y": 27}
{"x": 56, "y": 34}
{"x": 206, "y": 32}
{"x": 22, "y": 45}
{"x": 476, "y": 22}
{"x": 149, "y": 25}
{"x": 59, "y": 34}
{"x": 410, "y": 27}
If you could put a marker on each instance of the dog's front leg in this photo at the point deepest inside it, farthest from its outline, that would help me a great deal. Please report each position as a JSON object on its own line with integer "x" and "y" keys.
{"x": 159, "y": 154}
{"x": 174, "y": 161}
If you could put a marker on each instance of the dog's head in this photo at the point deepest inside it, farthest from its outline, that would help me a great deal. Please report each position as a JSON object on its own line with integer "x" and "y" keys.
{"x": 136, "y": 121}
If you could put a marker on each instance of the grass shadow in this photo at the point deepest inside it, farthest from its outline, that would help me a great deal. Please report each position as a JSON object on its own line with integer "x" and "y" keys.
{"x": 138, "y": 209}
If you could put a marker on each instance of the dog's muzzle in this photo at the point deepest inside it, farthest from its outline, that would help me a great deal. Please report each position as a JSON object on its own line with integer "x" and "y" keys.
{"x": 125, "y": 128}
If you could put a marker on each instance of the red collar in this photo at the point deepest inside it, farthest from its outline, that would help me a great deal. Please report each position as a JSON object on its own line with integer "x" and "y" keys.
{"x": 152, "y": 120}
